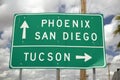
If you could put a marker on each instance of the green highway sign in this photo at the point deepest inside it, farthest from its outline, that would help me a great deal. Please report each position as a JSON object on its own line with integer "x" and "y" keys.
{"x": 58, "y": 41}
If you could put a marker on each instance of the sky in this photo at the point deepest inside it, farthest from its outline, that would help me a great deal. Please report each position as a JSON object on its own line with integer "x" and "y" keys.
{"x": 9, "y": 7}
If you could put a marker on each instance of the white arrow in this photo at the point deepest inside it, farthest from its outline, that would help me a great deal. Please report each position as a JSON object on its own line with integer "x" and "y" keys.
{"x": 24, "y": 26}
{"x": 86, "y": 57}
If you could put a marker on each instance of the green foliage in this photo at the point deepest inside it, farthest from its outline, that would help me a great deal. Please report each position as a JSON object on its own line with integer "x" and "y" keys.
{"x": 117, "y": 31}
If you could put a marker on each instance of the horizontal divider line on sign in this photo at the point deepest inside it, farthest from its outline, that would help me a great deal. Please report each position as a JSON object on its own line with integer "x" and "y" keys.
{"x": 58, "y": 46}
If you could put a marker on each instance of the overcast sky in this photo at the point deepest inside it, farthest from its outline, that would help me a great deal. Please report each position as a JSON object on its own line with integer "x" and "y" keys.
{"x": 9, "y": 7}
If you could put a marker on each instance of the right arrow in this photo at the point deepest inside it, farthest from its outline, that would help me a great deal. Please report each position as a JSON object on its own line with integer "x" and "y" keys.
{"x": 86, "y": 57}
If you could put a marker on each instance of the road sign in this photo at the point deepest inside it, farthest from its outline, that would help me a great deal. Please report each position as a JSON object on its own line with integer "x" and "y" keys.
{"x": 58, "y": 41}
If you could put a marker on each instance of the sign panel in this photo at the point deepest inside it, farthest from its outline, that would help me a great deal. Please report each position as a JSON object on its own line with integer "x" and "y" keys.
{"x": 58, "y": 41}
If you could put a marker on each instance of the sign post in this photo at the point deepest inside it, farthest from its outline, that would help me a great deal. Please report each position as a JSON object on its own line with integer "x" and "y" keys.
{"x": 83, "y": 10}
{"x": 57, "y": 74}
{"x": 94, "y": 74}
{"x": 20, "y": 74}
{"x": 58, "y": 41}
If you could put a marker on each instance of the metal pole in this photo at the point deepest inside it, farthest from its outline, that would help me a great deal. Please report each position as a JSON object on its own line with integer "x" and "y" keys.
{"x": 109, "y": 70}
{"x": 94, "y": 74}
{"x": 83, "y": 74}
{"x": 83, "y": 6}
{"x": 83, "y": 10}
{"x": 58, "y": 74}
{"x": 20, "y": 74}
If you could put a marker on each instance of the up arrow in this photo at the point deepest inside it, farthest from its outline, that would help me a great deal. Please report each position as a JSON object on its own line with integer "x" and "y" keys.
{"x": 86, "y": 57}
{"x": 24, "y": 26}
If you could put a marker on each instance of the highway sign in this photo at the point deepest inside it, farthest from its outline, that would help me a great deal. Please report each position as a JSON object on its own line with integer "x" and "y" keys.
{"x": 58, "y": 41}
